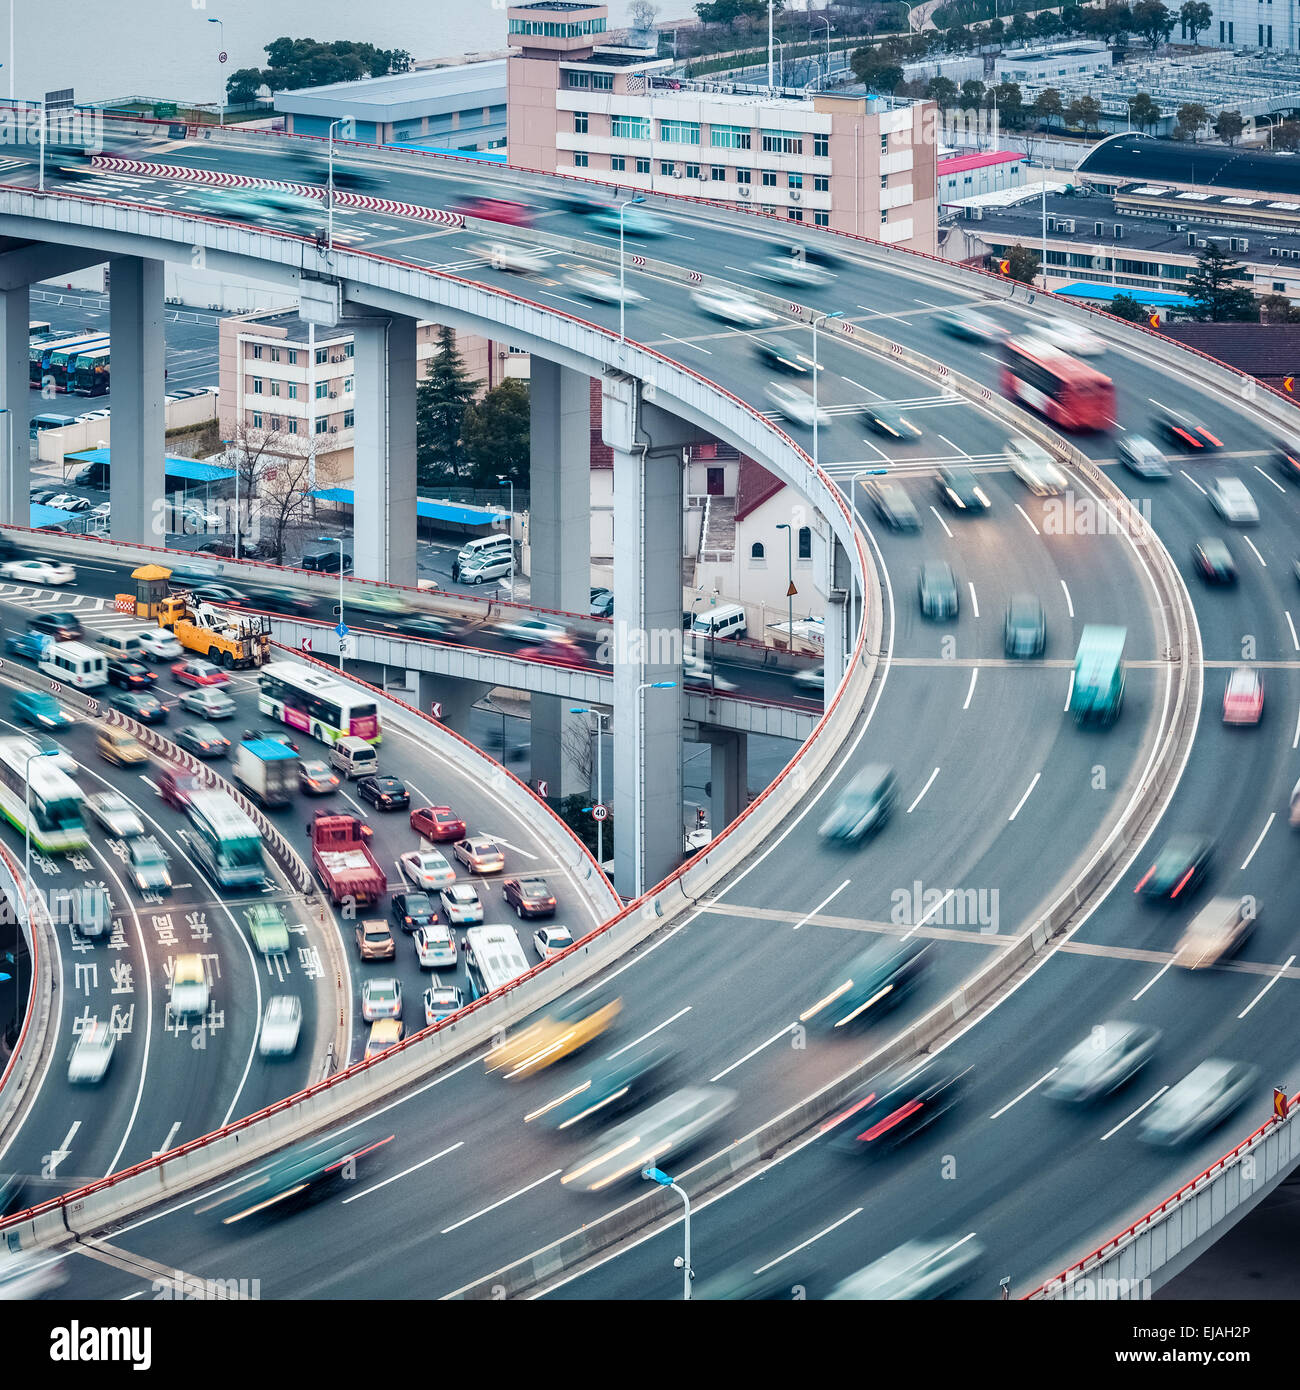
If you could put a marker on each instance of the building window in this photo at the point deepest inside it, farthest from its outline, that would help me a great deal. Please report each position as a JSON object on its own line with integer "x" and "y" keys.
{"x": 692, "y": 171}
{"x": 643, "y": 166}
{"x": 756, "y": 551}
{"x": 782, "y": 142}
{"x": 257, "y": 351}
{"x": 579, "y": 161}
{"x": 348, "y": 419}
{"x": 794, "y": 214}
{"x": 323, "y": 424}
{"x": 679, "y": 132}
{"x": 293, "y": 390}
{"x": 1231, "y": 40}
{"x": 257, "y": 386}
{"x": 884, "y": 144}
{"x": 257, "y": 419}
{"x": 554, "y": 29}
{"x": 347, "y": 385}
{"x": 821, "y": 219}
{"x": 729, "y": 137}
{"x": 322, "y": 356}
{"x": 1279, "y": 286}
{"x": 629, "y": 127}
{"x": 580, "y": 122}
{"x": 1221, "y": 31}
{"x": 884, "y": 216}
{"x": 884, "y": 180}
{"x": 293, "y": 358}
{"x": 718, "y": 174}
{"x": 349, "y": 348}
{"x": 1270, "y": 32}
{"x": 1261, "y": 36}
{"x": 322, "y": 390}
{"x": 821, "y": 183}
{"x": 795, "y": 180}
{"x": 769, "y": 178}
{"x": 822, "y": 146}
{"x": 275, "y": 354}
{"x": 293, "y": 427}
{"x": 666, "y": 168}
{"x": 617, "y": 163}
{"x": 275, "y": 388}
{"x": 805, "y": 542}
{"x": 743, "y": 176}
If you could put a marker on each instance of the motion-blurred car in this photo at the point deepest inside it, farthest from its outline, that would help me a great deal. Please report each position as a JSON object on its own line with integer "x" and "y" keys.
{"x": 937, "y": 586}
{"x": 495, "y": 210}
{"x": 1112, "y": 1054}
{"x": 795, "y": 404}
{"x": 91, "y": 1053}
{"x": 281, "y": 1024}
{"x": 385, "y": 1033}
{"x": 1182, "y": 431}
{"x": 437, "y": 823}
{"x": 374, "y": 940}
{"x": 609, "y": 1087}
{"x": 1070, "y": 337}
{"x": 969, "y": 325}
{"x": 130, "y": 675}
{"x": 28, "y": 645}
{"x": 601, "y": 286}
{"x": 315, "y": 778}
{"x": 870, "y": 984}
{"x": 176, "y": 787}
{"x": 1141, "y": 457}
{"x": 147, "y": 865}
{"x": 427, "y": 868}
{"x": 892, "y": 1108}
{"x": 550, "y": 941}
{"x": 959, "y": 492}
{"x": 890, "y": 421}
{"x": 1243, "y": 697}
{"x": 917, "y": 1269}
{"x": 511, "y": 256}
{"x": 59, "y": 623}
{"x": 863, "y": 806}
{"x": 732, "y": 308}
{"x": 1034, "y": 466}
{"x": 435, "y": 948}
{"x": 383, "y": 792}
{"x": 480, "y": 855}
{"x": 90, "y": 910}
{"x": 38, "y": 571}
{"x": 115, "y": 814}
{"x": 39, "y": 707}
{"x": 203, "y": 740}
{"x": 381, "y": 999}
{"x": 810, "y": 682}
{"x": 208, "y": 701}
{"x": 267, "y": 927}
{"x": 564, "y": 1028}
{"x": 1178, "y": 869}
{"x": 441, "y": 1001}
{"x": 189, "y": 989}
{"x": 697, "y": 671}
{"x": 782, "y": 357}
{"x": 199, "y": 673}
{"x": 222, "y": 596}
{"x": 159, "y": 645}
{"x": 461, "y": 904}
{"x": 1202, "y": 1100}
{"x": 1214, "y": 560}
{"x": 411, "y": 911}
{"x": 530, "y": 895}
{"x": 1024, "y": 633}
{"x": 531, "y": 630}
{"x": 1287, "y": 462}
{"x": 635, "y": 221}
{"x": 894, "y": 506}
{"x": 1231, "y": 498}
{"x": 785, "y": 270}
{"x": 652, "y": 1136}
{"x": 139, "y": 704}
{"x": 1216, "y": 931}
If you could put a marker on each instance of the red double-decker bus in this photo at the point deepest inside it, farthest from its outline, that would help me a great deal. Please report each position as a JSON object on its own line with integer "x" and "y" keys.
{"x": 1068, "y": 392}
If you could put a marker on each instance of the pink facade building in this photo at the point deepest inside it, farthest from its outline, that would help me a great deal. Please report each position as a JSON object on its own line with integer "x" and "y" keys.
{"x": 578, "y": 105}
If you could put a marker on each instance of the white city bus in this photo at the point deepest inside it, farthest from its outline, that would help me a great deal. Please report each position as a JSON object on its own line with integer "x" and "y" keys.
{"x": 309, "y": 700}
{"x": 225, "y": 841}
{"x": 57, "y": 826}
{"x": 493, "y": 957}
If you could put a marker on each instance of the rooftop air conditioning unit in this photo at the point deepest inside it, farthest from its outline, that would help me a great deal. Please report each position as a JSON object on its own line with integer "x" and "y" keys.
{"x": 1180, "y": 226}
{"x": 334, "y": 429}
{"x": 334, "y": 395}
{"x": 1200, "y": 244}
{"x": 974, "y": 214}
{"x": 743, "y": 190}
{"x": 1066, "y": 224}
{"x": 1241, "y": 244}
{"x": 794, "y": 195}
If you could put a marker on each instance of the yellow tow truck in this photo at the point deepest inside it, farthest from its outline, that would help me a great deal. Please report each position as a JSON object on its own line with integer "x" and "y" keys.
{"x": 226, "y": 639}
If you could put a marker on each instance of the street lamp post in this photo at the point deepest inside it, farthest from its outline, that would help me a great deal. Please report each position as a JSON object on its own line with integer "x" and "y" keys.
{"x": 329, "y": 190}
{"x": 770, "y": 6}
{"x": 1043, "y": 187}
{"x": 684, "y": 1260}
{"x": 821, "y": 19}
{"x": 781, "y": 51}
{"x": 637, "y": 878}
{"x": 221, "y": 30}
{"x": 622, "y": 279}
{"x": 332, "y": 540}
{"x": 503, "y": 481}
{"x": 853, "y": 482}
{"x": 599, "y": 716}
{"x": 816, "y": 320}
{"x": 789, "y": 569}
{"x": 225, "y": 444}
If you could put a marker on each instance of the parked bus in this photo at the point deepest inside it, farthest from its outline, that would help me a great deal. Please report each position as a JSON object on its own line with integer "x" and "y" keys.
{"x": 225, "y": 841}
{"x": 74, "y": 663}
{"x": 38, "y": 353}
{"x": 309, "y": 700}
{"x": 493, "y": 957}
{"x": 56, "y": 801}
{"x": 89, "y": 374}
{"x": 1059, "y": 387}
{"x": 1097, "y": 691}
{"x": 58, "y": 371}
{"x": 37, "y": 329}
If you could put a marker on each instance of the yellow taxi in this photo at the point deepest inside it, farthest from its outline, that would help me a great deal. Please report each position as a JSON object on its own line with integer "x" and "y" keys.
{"x": 117, "y": 746}
{"x": 383, "y": 1034}
{"x": 560, "y": 1032}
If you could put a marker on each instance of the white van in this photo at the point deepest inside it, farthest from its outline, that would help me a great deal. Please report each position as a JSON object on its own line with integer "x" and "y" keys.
{"x": 74, "y": 663}
{"x": 475, "y": 552}
{"x": 354, "y": 757}
{"x": 125, "y": 646}
{"x": 726, "y": 620}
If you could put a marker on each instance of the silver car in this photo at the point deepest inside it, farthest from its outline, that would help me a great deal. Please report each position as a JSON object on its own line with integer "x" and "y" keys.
{"x": 1140, "y": 456}
{"x": 1109, "y": 1056}
{"x": 1204, "y": 1098}
{"x": 381, "y": 999}
{"x": 92, "y": 1053}
{"x": 281, "y": 1024}
{"x": 115, "y": 813}
{"x": 918, "y": 1269}
{"x": 1034, "y": 466}
{"x": 1231, "y": 498}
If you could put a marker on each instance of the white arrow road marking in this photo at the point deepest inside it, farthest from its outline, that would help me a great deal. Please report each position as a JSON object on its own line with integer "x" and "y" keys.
{"x": 496, "y": 839}
{"x": 52, "y": 1160}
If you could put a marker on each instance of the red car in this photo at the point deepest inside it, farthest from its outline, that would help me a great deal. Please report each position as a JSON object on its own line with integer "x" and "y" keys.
{"x": 1243, "y": 699}
{"x": 437, "y": 823}
{"x": 199, "y": 673}
{"x": 177, "y": 787}
{"x": 556, "y": 653}
{"x": 496, "y": 210}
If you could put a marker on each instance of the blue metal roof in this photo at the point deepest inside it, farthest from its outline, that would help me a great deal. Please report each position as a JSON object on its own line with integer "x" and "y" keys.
{"x": 486, "y": 156}
{"x": 427, "y": 507}
{"x": 1105, "y": 293}
{"x": 269, "y": 750}
{"x": 47, "y": 516}
{"x": 176, "y": 467}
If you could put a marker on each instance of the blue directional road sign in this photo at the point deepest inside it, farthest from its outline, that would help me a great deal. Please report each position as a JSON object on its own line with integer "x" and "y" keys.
{"x": 342, "y": 629}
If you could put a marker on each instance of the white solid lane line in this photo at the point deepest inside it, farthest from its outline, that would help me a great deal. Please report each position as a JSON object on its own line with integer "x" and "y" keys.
{"x": 974, "y": 602}
{"x": 1029, "y": 519}
{"x": 941, "y": 521}
{"x": 1069, "y": 694}
{"x": 1193, "y": 482}
{"x": 1069, "y": 602}
{"x": 1272, "y": 817}
{"x": 1267, "y": 479}
{"x": 447, "y": 1230}
{"x": 1290, "y": 622}
{"x": 956, "y": 447}
{"x": 1168, "y": 965}
{"x": 753, "y": 1052}
{"x": 684, "y": 343}
{"x": 1135, "y": 1114}
{"x": 1023, "y": 799}
{"x": 1295, "y": 742}
{"x": 1281, "y": 970}
{"x": 822, "y": 904}
{"x": 1029, "y": 1090}
{"x": 803, "y": 1245}
{"x": 658, "y": 1028}
{"x": 1253, "y": 547}
{"x": 974, "y": 675}
{"x": 911, "y": 931}
{"x": 922, "y": 792}
{"x": 415, "y": 1167}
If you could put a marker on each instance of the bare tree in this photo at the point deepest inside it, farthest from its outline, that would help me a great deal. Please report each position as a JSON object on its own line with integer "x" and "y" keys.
{"x": 274, "y": 475}
{"x": 642, "y": 14}
{"x": 576, "y": 748}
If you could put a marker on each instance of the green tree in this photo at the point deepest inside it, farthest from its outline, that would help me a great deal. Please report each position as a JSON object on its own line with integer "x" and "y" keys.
{"x": 1047, "y": 25}
{"x": 1072, "y": 19}
{"x": 1007, "y": 101}
{"x": 1286, "y": 136}
{"x": 729, "y": 11}
{"x": 972, "y": 95}
{"x": 1216, "y": 289}
{"x": 1191, "y": 117}
{"x": 875, "y": 71}
{"x": 1153, "y": 21}
{"x": 1048, "y": 106}
{"x": 1124, "y": 306}
{"x": 1196, "y": 18}
{"x": 943, "y": 90}
{"x": 495, "y": 432}
{"x": 1229, "y": 126}
{"x": 243, "y": 85}
{"x": 1084, "y": 113}
{"x": 442, "y": 398}
{"x": 1143, "y": 112}
{"x": 1022, "y": 264}
{"x": 1277, "y": 308}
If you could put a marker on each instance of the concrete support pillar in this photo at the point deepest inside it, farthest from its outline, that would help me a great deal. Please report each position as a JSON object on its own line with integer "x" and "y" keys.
{"x": 729, "y": 776}
{"x": 647, "y": 642}
{"x": 15, "y": 480}
{"x": 454, "y": 697}
{"x": 839, "y": 614}
{"x": 559, "y": 536}
{"x": 383, "y": 459}
{"x": 136, "y": 326}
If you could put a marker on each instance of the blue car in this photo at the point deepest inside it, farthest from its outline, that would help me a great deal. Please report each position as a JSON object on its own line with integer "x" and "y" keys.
{"x": 26, "y": 644}
{"x": 38, "y": 707}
